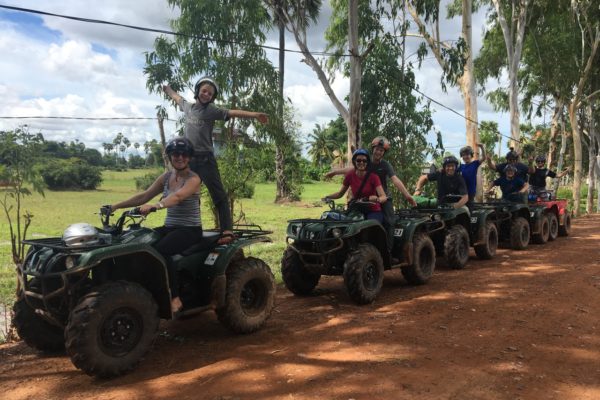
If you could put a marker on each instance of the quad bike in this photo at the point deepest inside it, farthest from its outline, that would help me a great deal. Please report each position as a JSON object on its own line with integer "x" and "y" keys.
{"x": 453, "y": 241}
{"x": 556, "y": 211}
{"x": 517, "y": 222}
{"x": 343, "y": 242}
{"x": 100, "y": 293}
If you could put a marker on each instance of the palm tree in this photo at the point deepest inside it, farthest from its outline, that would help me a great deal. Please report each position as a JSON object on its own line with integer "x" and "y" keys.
{"x": 320, "y": 146}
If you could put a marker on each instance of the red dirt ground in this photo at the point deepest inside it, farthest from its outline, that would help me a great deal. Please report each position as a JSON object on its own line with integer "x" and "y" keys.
{"x": 525, "y": 325}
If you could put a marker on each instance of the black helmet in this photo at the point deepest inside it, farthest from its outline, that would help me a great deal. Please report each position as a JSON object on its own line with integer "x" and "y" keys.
{"x": 202, "y": 81}
{"x": 466, "y": 150}
{"x": 180, "y": 145}
{"x": 540, "y": 158}
{"x": 360, "y": 152}
{"x": 450, "y": 160}
{"x": 512, "y": 155}
{"x": 510, "y": 167}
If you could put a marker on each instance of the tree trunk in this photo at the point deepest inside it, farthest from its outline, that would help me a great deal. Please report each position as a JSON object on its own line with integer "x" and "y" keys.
{"x": 163, "y": 142}
{"x": 354, "y": 141}
{"x": 513, "y": 40}
{"x": 561, "y": 154}
{"x": 282, "y": 190}
{"x": 578, "y": 156}
{"x": 592, "y": 154}
{"x": 558, "y": 109}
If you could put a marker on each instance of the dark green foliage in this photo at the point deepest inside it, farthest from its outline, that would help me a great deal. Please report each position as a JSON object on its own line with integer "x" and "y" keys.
{"x": 71, "y": 173}
{"x": 144, "y": 182}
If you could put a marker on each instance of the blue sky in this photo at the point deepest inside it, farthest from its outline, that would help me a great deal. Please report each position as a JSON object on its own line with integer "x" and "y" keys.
{"x": 54, "y": 66}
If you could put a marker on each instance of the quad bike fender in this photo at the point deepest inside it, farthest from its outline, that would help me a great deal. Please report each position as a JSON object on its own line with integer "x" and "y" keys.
{"x": 371, "y": 231}
{"x": 536, "y": 217}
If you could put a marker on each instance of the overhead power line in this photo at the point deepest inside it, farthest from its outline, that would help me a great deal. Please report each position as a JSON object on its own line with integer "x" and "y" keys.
{"x": 86, "y": 118}
{"x": 166, "y": 32}
{"x": 97, "y": 21}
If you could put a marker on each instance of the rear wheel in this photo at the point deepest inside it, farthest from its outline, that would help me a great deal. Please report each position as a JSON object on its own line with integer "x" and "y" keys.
{"x": 456, "y": 247}
{"x": 296, "y": 278}
{"x": 488, "y": 245}
{"x": 519, "y": 233}
{"x": 544, "y": 233}
{"x": 363, "y": 274}
{"x": 553, "y": 222}
{"x": 35, "y": 330}
{"x": 250, "y": 295}
{"x": 565, "y": 228}
{"x": 111, "y": 329}
{"x": 423, "y": 261}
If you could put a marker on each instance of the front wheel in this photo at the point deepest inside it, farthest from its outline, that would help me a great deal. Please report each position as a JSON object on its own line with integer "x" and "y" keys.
{"x": 363, "y": 274}
{"x": 296, "y": 278}
{"x": 423, "y": 264}
{"x": 565, "y": 228}
{"x": 488, "y": 243}
{"x": 553, "y": 222}
{"x": 519, "y": 233}
{"x": 456, "y": 247}
{"x": 36, "y": 331}
{"x": 250, "y": 295}
{"x": 111, "y": 329}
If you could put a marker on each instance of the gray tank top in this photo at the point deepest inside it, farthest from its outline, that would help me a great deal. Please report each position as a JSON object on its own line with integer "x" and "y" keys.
{"x": 186, "y": 213}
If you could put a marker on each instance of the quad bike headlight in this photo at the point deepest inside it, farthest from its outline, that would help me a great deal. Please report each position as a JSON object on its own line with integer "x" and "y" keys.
{"x": 71, "y": 261}
{"x": 295, "y": 229}
{"x": 336, "y": 232}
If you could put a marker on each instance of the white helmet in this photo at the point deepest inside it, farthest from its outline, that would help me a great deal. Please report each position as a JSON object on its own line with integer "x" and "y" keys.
{"x": 80, "y": 234}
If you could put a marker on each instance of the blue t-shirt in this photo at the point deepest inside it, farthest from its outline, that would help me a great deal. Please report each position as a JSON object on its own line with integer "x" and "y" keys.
{"x": 469, "y": 174}
{"x": 509, "y": 186}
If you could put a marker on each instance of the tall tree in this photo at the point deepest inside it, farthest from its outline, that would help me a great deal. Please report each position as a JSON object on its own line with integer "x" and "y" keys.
{"x": 309, "y": 13}
{"x": 295, "y": 23}
{"x": 456, "y": 60}
{"x": 587, "y": 14}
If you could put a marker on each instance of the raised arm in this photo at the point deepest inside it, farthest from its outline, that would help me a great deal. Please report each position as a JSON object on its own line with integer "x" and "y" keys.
{"x": 338, "y": 171}
{"x": 564, "y": 172}
{"x": 490, "y": 163}
{"x": 260, "y": 116}
{"x": 531, "y": 166}
{"x": 483, "y": 154}
{"x": 172, "y": 94}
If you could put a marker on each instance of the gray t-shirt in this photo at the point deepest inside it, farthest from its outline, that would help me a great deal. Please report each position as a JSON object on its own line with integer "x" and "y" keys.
{"x": 199, "y": 122}
{"x": 384, "y": 171}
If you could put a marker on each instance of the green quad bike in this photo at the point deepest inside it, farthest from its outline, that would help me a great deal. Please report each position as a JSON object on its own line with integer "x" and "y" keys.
{"x": 100, "y": 293}
{"x": 453, "y": 241}
{"x": 343, "y": 242}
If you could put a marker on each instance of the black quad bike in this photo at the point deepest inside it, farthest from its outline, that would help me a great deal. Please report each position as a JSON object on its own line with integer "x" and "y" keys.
{"x": 343, "y": 242}
{"x": 100, "y": 293}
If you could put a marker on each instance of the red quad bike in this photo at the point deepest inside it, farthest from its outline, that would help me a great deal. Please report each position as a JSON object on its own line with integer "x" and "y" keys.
{"x": 556, "y": 211}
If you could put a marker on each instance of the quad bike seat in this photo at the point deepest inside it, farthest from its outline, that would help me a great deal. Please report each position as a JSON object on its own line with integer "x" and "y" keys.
{"x": 209, "y": 241}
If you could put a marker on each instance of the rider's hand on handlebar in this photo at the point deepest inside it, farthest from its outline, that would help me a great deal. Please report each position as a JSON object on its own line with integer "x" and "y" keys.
{"x": 147, "y": 209}
{"x": 106, "y": 210}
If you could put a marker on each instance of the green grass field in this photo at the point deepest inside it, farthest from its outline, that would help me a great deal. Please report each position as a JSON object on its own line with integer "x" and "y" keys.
{"x": 57, "y": 210}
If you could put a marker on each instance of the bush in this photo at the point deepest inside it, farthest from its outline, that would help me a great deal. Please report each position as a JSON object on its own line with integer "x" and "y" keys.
{"x": 73, "y": 173}
{"x": 144, "y": 182}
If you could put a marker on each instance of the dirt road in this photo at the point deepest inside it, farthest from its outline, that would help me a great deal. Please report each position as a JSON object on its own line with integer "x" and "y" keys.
{"x": 525, "y": 325}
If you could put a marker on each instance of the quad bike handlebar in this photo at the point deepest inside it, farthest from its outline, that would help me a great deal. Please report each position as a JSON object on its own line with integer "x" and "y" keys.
{"x": 106, "y": 212}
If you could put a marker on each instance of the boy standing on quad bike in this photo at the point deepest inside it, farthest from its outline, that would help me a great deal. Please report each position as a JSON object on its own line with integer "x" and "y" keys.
{"x": 468, "y": 169}
{"x": 449, "y": 182}
{"x": 200, "y": 118}
{"x": 364, "y": 185}
{"x": 180, "y": 190}
{"x": 538, "y": 174}
{"x": 513, "y": 188}
{"x": 384, "y": 171}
